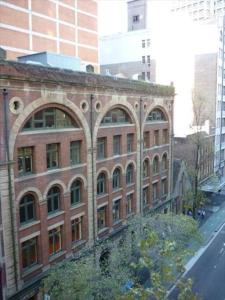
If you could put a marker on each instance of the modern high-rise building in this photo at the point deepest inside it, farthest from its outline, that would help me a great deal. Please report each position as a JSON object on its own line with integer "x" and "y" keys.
{"x": 129, "y": 54}
{"x": 67, "y": 27}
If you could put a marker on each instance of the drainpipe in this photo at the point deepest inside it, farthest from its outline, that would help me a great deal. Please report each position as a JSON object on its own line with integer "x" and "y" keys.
{"x": 141, "y": 149}
{"x": 92, "y": 170}
{"x": 8, "y": 162}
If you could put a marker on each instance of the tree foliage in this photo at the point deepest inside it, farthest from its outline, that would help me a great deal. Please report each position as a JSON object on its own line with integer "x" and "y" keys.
{"x": 149, "y": 258}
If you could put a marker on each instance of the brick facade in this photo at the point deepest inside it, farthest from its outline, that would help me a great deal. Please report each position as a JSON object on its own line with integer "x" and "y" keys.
{"x": 86, "y": 99}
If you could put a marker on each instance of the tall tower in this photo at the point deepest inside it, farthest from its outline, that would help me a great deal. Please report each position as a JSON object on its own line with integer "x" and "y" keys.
{"x": 137, "y": 14}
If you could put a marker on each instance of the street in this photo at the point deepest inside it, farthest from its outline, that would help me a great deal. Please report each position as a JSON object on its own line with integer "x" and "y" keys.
{"x": 208, "y": 273}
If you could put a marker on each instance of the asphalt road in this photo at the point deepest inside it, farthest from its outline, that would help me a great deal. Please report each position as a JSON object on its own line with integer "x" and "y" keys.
{"x": 208, "y": 273}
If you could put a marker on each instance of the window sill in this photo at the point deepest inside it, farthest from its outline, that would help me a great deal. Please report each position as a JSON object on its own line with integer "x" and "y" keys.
{"x": 130, "y": 184}
{"x": 57, "y": 255}
{"x": 28, "y": 225}
{"x": 78, "y": 244}
{"x": 144, "y": 178}
{"x": 76, "y": 206}
{"x": 53, "y": 215}
{"x": 102, "y": 196}
{"x": 117, "y": 190}
{"x": 31, "y": 270}
{"x": 103, "y": 230}
{"x": 117, "y": 222}
{"x": 52, "y": 170}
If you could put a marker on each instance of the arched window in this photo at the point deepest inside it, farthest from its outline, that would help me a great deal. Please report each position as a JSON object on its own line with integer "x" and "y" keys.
{"x": 155, "y": 165}
{"x": 75, "y": 192}
{"x": 116, "y": 116}
{"x": 101, "y": 184}
{"x": 49, "y": 118}
{"x": 145, "y": 168}
{"x": 27, "y": 209}
{"x": 130, "y": 174}
{"x": 116, "y": 179}
{"x": 164, "y": 162}
{"x": 53, "y": 199}
{"x": 156, "y": 115}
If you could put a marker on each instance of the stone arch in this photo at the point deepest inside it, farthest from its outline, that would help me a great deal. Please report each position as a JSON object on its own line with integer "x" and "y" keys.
{"x": 163, "y": 109}
{"x": 118, "y": 166}
{"x": 164, "y": 153}
{"x": 146, "y": 158}
{"x": 27, "y": 190}
{"x": 103, "y": 170}
{"x": 130, "y": 162}
{"x": 154, "y": 156}
{"x": 30, "y": 108}
{"x": 59, "y": 183}
{"x": 122, "y": 103}
{"x": 79, "y": 177}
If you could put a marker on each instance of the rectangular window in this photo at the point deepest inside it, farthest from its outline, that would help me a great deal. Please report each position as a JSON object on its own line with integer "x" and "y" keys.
{"x": 54, "y": 241}
{"x": 130, "y": 142}
{"x": 52, "y": 156}
{"x": 143, "y": 43}
{"x": 146, "y": 140}
{"x": 145, "y": 196}
{"x": 156, "y": 137}
{"x": 143, "y": 59}
{"x": 148, "y": 59}
{"x": 101, "y": 148}
{"x": 29, "y": 253}
{"x": 116, "y": 211}
{"x": 116, "y": 145}
{"x": 136, "y": 19}
{"x": 155, "y": 192}
{"x": 76, "y": 225}
{"x": 165, "y": 136}
{"x": 143, "y": 75}
{"x": 101, "y": 217}
{"x": 148, "y": 75}
{"x": 129, "y": 204}
{"x": 25, "y": 160}
{"x": 75, "y": 150}
{"x": 164, "y": 187}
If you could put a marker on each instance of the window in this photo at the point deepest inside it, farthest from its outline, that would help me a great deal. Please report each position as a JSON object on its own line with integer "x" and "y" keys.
{"x": 164, "y": 187}
{"x": 130, "y": 174}
{"x": 129, "y": 204}
{"x": 143, "y": 59}
{"x": 76, "y": 225}
{"x": 155, "y": 165}
{"x": 156, "y": 138}
{"x": 29, "y": 253}
{"x": 75, "y": 192}
{"x": 145, "y": 168}
{"x": 75, "y": 148}
{"x": 148, "y": 76}
{"x": 101, "y": 184}
{"x": 54, "y": 241}
{"x": 25, "y": 160}
{"x": 164, "y": 162}
{"x": 155, "y": 191}
{"x": 27, "y": 209}
{"x": 148, "y": 59}
{"x": 136, "y": 19}
{"x": 145, "y": 196}
{"x": 101, "y": 148}
{"x": 114, "y": 116}
{"x": 148, "y": 42}
{"x": 53, "y": 200}
{"x": 156, "y": 115}
{"x": 130, "y": 142}
{"x": 49, "y": 118}
{"x": 143, "y": 43}
{"x": 116, "y": 179}
{"x": 143, "y": 75}
{"x": 165, "y": 136}
{"x": 146, "y": 140}
{"x": 101, "y": 213}
{"x": 116, "y": 145}
{"x": 52, "y": 156}
{"x": 116, "y": 211}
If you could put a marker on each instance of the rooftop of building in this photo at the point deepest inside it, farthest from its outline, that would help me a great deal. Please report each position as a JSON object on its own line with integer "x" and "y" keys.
{"x": 35, "y": 73}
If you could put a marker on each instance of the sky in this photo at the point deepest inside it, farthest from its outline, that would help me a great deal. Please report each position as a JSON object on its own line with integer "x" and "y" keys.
{"x": 175, "y": 41}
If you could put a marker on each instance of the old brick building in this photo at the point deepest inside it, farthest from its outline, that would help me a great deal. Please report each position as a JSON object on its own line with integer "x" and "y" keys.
{"x": 79, "y": 155}
{"x": 67, "y": 27}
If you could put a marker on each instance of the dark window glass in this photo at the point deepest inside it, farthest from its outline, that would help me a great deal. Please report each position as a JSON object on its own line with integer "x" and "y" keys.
{"x": 116, "y": 211}
{"x": 101, "y": 184}
{"x": 25, "y": 160}
{"x": 129, "y": 204}
{"x": 52, "y": 156}
{"x": 116, "y": 179}
{"x": 145, "y": 196}
{"x": 145, "y": 169}
{"x": 156, "y": 165}
{"x": 27, "y": 209}
{"x": 29, "y": 253}
{"x": 102, "y": 217}
{"x": 75, "y": 148}
{"x": 76, "y": 225}
{"x": 116, "y": 145}
{"x": 54, "y": 241}
{"x": 114, "y": 116}
{"x": 75, "y": 192}
{"x": 156, "y": 115}
{"x": 130, "y": 174}
{"x": 53, "y": 199}
{"x": 101, "y": 148}
{"x": 130, "y": 142}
